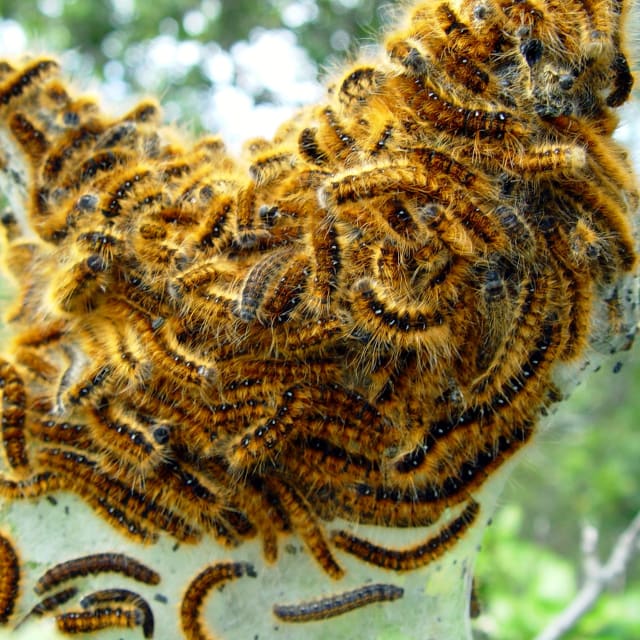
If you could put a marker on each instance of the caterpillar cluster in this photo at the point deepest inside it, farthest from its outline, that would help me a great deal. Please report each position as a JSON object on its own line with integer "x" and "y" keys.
{"x": 119, "y": 607}
{"x": 362, "y": 318}
{"x": 130, "y": 610}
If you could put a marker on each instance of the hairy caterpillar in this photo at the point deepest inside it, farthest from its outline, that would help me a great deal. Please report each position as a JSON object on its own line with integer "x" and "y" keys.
{"x": 364, "y": 318}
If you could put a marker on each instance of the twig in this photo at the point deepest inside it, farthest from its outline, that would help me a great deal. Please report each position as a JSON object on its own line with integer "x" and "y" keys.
{"x": 598, "y": 577}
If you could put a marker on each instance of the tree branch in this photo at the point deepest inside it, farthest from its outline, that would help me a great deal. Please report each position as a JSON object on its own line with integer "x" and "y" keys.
{"x": 598, "y": 577}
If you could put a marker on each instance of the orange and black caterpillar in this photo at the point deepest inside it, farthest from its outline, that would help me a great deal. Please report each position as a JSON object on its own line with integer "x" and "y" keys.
{"x": 93, "y": 564}
{"x": 123, "y": 596}
{"x": 9, "y": 578}
{"x": 198, "y": 589}
{"x": 362, "y": 319}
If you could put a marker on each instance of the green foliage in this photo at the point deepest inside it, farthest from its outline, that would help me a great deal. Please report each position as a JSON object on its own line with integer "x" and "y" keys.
{"x": 171, "y": 48}
{"x": 105, "y": 30}
{"x": 583, "y": 470}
